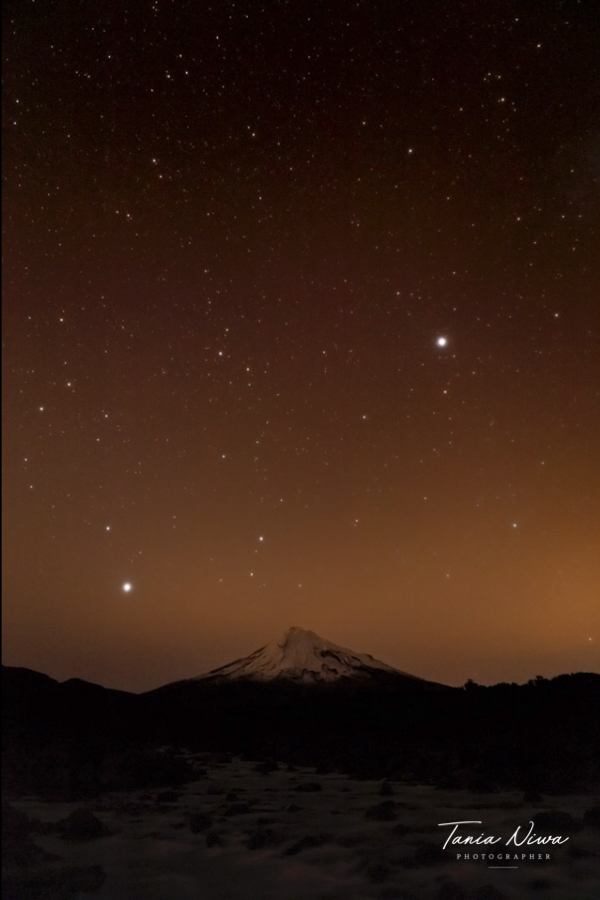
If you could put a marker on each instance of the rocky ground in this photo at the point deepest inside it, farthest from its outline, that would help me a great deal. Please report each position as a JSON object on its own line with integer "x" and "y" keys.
{"x": 258, "y": 830}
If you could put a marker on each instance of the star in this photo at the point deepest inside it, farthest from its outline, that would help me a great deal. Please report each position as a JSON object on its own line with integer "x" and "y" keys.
{"x": 270, "y": 324}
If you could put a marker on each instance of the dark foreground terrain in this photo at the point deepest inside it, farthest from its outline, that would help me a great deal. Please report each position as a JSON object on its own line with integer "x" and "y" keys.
{"x": 248, "y": 830}
{"x": 77, "y": 739}
{"x": 278, "y": 791}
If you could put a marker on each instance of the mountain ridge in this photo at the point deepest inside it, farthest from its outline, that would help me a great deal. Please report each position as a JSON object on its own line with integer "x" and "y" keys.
{"x": 303, "y": 657}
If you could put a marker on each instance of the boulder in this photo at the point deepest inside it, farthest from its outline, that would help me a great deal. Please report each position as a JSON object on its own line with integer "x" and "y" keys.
{"x": 591, "y": 817}
{"x": 556, "y": 821}
{"x": 81, "y": 825}
{"x": 200, "y": 822}
{"x": 308, "y": 842}
{"x": 264, "y": 837}
{"x": 428, "y": 854}
{"x": 382, "y": 812}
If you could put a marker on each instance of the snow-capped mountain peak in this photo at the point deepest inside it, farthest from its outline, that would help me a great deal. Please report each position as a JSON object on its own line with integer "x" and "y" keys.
{"x": 302, "y": 656}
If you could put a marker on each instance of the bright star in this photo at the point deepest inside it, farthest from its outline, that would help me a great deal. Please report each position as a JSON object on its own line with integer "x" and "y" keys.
{"x": 127, "y": 587}
{"x": 442, "y": 341}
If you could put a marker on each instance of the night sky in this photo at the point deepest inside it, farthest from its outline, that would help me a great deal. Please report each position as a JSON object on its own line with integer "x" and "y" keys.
{"x": 301, "y": 327}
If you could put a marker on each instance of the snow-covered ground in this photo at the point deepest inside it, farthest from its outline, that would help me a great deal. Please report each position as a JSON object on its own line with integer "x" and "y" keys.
{"x": 240, "y": 834}
{"x": 302, "y": 656}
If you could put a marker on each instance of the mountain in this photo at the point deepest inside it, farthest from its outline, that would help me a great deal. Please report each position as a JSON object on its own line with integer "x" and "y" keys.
{"x": 302, "y": 657}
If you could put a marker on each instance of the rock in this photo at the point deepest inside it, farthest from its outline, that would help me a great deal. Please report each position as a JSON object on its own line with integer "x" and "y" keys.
{"x": 237, "y": 809}
{"x": 532, "y": 796}
{"x": 292, "y": 808}
{"x": 214, "y": 758}
{"x": 489, "y": 892}
{"x": 81, "y": 825}
{"x": 382, "y": 812}
{"x": 431, "y": 855}
{"x": 364, "y": 774}
{"x": 267, "y": 766}
{"x": 291, "y": 768}
{"x": 14, "y": 822}
{"x": 264, "y": 837}
{"x": 556, "y": 821}
{"x": 378, "y": 872}
{"x": 386, "y": 790}
{"x": 200, "y": 822}
{"x": 308, "y": 842}
{"x": 213, "y": 839}
{"x": 309, "y": 786}
{"x": 134, "y": 808}
{"x": 447, "y": 783}
{"x": 232, "y": 797}
{"x": 17, "y": 847}
{"x": 144, "y": 768}
{"x": 168, "y": 797}
{"x": 450, "y": 891}
{"x": 576, "y": 852}
{"x": 358, "y": 839}
{"x": 325, "y": 768}
{"x": 394, "y": 892}
{"x": 482, "y": 783}
{"x": 591, "y": 817}
{"x": 54, "y": 884}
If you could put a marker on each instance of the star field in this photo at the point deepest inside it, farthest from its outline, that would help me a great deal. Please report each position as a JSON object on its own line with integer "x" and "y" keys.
{"x": 301, "y": 326}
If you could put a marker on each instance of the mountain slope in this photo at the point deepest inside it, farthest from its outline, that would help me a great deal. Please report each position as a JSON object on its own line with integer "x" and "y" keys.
{"x": 303, "y": 657}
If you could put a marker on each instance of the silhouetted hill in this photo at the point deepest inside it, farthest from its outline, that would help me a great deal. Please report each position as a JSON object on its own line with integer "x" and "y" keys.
{"x": 32, "y": 701}
{"x": 74, "y": 739}
{"x": 79, "y": 738}
{"x": 506, "y": 735}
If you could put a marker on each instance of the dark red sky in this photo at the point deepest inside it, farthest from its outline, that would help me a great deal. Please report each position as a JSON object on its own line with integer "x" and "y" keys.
{"x": 233, "y": 236}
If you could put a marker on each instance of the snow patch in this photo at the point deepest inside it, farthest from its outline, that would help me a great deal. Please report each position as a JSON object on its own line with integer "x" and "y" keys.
{"x": 302, "y": 656}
